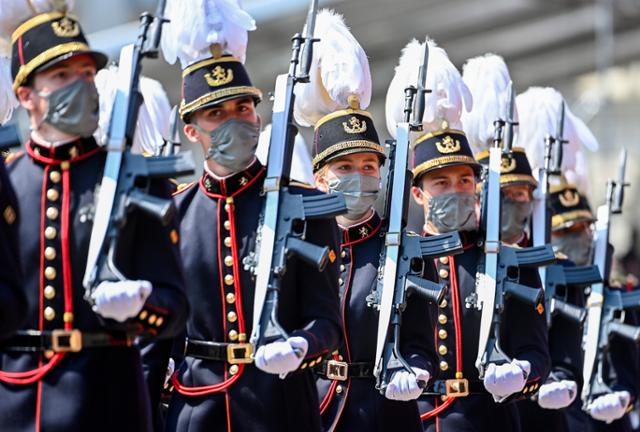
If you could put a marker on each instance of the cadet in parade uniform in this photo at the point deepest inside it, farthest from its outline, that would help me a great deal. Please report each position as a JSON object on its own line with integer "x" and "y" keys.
{"x": 348, "y": 158}
{"x": 445, "y": 175}
{"x": 73, "y": 366}
{"x": 13, "y": 302}
{"x": 572, "y": 225}
{"x": 221, "y": 385}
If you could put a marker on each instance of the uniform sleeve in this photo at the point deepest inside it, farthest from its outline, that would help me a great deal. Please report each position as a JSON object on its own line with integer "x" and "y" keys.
{"x": 13, "y": 302}
{"x": 417, "y": 333}
{"x": 151, "y": 252}
{"x": 524, "y": 336}
{"x": 320, "y": 307}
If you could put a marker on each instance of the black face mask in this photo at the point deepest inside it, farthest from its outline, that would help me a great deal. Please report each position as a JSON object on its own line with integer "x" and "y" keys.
{"x": 74, "y": 109}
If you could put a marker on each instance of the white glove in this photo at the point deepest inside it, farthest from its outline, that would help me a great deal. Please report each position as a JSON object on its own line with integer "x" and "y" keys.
{"x": 556, "y": 395}
{"x": 279, "y": 357}
{"x": 505, "y": 379}
{"x": 609, "y": 407}
{"x": 404, "y": 385}
{"x": 121, "y": 300}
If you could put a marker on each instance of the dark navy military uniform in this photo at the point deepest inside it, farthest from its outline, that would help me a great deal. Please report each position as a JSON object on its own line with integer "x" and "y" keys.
{"x": 219, "y": 222}
{"x": 523, "y": 337}
{"x": 565, "y": 347}
{"x": 101, "y": 387}
{"x": 13, "y": 302}
{"x": 354, "y": 404}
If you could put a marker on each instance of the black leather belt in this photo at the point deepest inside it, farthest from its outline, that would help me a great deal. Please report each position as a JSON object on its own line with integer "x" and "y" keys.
{"x": 341, "y": 371}
{"x": 63, "y": 340}
{"x": 232, "y": 353}
{"x": 455, "y": 388}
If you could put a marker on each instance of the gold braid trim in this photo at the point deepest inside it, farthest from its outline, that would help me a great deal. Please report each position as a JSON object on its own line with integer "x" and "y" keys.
{"x": 424, "y": 166}
{"x": 437, "y": 133}
{"x": 26, "y": 69}
{"x": 207, "y": 62}
{"x": 341, "y": 113}
{"x": 513, "y": 178}
{"x": 485, "y": 153}
{"x": 211, "y": 96}
{"x": 36, "y": 21}
{"x": 561, "y": 218}
{"x": 346, "y": 145}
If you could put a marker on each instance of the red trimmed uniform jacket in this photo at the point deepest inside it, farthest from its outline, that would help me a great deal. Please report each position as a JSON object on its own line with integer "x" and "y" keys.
{"x": 219, "y": 222}
{"x": 523, "y": 336}
{"x": 99, "y": 388}
{"x": 355, "y": 404}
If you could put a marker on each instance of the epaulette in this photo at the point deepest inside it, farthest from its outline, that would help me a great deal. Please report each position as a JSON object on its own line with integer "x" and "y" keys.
{"x": 559, "y": 255}
{"x": 182, "y": 187}
{"x": 300, "y": 184}
{"x": 10, "y": 157}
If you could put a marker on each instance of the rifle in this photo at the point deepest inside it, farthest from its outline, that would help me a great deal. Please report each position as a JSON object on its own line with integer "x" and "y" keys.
{"x": 402, "y": 259}
{"x": 172, "y": 144}
{"x": 126, "y": 179}
{"x": 605, "y": 307}
{"x": 282, "y": 232}
{"x": 541, "y": 218}
{"x": 497, "y": 279}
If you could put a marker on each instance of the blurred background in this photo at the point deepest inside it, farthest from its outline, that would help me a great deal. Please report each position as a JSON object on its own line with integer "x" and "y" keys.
{"x": 588, "y": 49}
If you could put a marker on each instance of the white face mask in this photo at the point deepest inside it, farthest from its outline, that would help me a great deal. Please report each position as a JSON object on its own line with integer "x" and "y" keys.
{"x": 360, "y": 192}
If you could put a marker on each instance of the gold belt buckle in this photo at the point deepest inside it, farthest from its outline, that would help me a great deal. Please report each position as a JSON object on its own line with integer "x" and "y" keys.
{"x": 337, "y": 370}
{"x": 66, "y": 340}
{"x": 239, "y": 353}
{"x": 457, "y": 387}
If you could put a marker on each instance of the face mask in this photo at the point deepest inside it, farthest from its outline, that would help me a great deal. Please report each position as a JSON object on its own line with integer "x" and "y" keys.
{"x": 360, "y": 193}
{"x": 452, "y": 212}
{"x": 575, "y": 245}
{"x": 233, "y": 143}
{"x": 73, "y": 109}
{"x": 514, "y": 218}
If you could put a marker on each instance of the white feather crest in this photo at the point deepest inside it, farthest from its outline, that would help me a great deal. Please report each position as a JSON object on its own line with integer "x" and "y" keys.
{"x": 539, "y": 110}
{"x": 15, "y": 12}
{"x": 339, "y": 70}
{"x": 8, "y": 101}
{"x": 487, "y": 77}
{"x": 153, "y": 117}
{"x": 198, "y": 24}
{"x": 449, "y": 96}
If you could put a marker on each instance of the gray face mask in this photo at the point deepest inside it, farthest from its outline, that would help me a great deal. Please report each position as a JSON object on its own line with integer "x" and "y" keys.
{"x": 575, "y": 245}
{"x": 514, "y": 218}
{"x": 360, "y": 193}
{"x": 452, "y": 212}
{"x": 234, "y": 143}
{"x": 74, "y": 109}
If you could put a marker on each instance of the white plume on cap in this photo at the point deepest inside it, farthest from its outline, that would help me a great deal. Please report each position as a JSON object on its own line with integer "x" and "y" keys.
{"x": 539, "y": 110}
{"x": 198, "y": 24}
{"x": 449, "y": 95}
{"x": 15, "y": 12}
{"x": 153, "y": 117}
{"x": 8, "y": 101}
{"x": 339, "y": 70}
{"x": 487, "y": 77}
{"x": 301, "y": 166}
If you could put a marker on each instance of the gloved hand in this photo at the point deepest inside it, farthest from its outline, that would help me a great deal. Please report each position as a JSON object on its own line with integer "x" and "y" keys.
{"x": 556, "y": 395}
{"x": 609, "y": 407}
{"x": 279, "y": 357}
{"x": 404, "y": 385}
{"x": 505, "y": 379}
{"x": 121, "y": 300}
